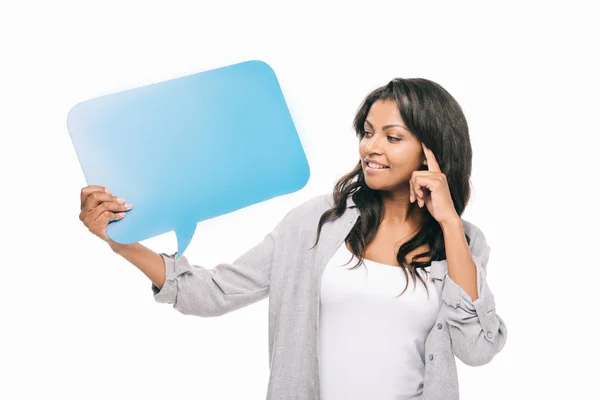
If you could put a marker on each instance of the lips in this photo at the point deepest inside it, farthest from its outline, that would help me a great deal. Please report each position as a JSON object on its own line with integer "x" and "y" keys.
{"x": 374, "y": 171}
{"x": 368, "y": 160}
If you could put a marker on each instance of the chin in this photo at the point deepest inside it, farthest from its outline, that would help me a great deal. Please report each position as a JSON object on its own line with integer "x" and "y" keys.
{"x": 375, "y": 185}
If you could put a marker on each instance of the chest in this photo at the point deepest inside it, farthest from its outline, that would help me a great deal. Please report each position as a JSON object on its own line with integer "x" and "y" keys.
{"x": 384, "y": 247}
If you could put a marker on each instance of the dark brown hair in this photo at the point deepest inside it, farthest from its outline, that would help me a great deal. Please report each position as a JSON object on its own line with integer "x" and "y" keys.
{"x": 435, "y": 118}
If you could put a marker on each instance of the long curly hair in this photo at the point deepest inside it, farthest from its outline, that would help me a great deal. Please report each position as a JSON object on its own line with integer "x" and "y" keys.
{"x": 436, "y": 119}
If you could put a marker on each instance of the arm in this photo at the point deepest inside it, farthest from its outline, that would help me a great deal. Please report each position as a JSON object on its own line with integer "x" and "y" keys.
{"x": 477, "y": 332}
{"x": 196, "y": 290}
{"x": 204, "y": 292}
{"x": 147, "y": 261}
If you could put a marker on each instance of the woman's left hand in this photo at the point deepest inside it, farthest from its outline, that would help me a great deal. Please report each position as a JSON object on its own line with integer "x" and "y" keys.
{"x": 430, "y": 188}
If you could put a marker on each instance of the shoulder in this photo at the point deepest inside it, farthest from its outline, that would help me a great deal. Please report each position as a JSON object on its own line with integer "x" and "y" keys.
{"x": 472, "y": 230}
{"x": 313, "y": 207}
{"x": 306, "y": 214}
{"x": 469, "y": 227}
{"x": 478, "y": 243}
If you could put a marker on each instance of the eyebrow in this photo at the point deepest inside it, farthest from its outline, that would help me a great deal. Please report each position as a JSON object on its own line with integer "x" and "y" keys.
{"x": 387, "y": 126}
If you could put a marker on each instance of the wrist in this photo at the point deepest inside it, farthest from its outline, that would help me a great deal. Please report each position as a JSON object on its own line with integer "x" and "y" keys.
{"x": 451, "y": 224}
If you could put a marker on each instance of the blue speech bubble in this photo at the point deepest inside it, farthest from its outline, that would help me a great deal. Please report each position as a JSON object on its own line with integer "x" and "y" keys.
{"x": 190, "y": 149}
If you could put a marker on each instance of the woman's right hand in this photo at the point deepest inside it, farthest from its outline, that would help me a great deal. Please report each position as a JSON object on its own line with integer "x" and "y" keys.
{"x": 98, "y": 208}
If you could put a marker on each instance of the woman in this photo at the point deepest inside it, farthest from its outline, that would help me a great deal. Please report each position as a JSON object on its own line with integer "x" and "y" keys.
{"x": 337, "y": 332}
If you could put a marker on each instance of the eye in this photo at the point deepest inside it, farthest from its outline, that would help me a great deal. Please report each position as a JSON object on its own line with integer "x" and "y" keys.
{"x": 391, "y": 138}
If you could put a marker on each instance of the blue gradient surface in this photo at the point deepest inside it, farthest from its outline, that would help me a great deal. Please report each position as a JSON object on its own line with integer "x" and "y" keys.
{"x": 189, "y": 149}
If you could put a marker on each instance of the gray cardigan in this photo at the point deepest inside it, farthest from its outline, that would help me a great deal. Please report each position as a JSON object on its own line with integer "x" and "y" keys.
{"x": 284, "y": 269}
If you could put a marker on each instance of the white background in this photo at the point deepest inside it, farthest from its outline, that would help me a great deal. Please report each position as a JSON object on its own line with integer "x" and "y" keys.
{"x": 79, "y": 322}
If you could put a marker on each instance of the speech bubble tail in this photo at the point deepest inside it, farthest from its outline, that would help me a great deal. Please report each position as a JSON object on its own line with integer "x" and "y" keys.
{"x": 184, "y": 237}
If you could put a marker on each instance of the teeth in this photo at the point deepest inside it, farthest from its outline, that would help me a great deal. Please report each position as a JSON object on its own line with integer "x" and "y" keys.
{"x": 378, "y": 166}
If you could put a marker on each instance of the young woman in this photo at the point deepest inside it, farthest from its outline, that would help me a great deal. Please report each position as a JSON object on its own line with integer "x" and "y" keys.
{"x": 369, "y": 331}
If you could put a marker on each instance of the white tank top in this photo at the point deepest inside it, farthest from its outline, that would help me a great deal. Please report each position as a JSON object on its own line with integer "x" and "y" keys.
{"x": 371, "y": 344}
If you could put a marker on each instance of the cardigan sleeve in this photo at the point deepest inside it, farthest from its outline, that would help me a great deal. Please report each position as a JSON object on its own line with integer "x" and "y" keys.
{"x": 476, "y": 330}
{"x": 209, "y": 292}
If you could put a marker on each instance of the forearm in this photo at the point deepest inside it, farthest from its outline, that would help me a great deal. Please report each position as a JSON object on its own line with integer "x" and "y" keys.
{"x": 477, "y": 333}
{"x": 461, "y": 267}
{"x": 147, "y": 261}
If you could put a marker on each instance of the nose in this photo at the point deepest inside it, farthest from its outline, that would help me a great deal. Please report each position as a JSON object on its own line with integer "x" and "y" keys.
{"x": 373, "y": 145}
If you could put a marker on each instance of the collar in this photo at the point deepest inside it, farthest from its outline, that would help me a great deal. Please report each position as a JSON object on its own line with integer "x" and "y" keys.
{"x": 350, "y": 202}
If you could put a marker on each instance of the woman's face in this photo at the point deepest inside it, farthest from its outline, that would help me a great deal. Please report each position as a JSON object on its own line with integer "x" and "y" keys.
{"x": 387, "y": 141}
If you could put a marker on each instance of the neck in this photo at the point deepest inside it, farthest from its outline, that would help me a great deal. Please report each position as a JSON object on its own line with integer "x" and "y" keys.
{"x": 398, "y": 210}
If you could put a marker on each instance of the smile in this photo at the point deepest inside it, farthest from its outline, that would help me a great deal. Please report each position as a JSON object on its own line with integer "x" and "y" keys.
{"x": 372, "y": 167}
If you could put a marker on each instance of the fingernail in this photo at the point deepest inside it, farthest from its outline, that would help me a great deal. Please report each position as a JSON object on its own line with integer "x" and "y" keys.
{"x": 127, "y": 205}
{"x": 120, "y": 200}
{"x": 107, "y": 190}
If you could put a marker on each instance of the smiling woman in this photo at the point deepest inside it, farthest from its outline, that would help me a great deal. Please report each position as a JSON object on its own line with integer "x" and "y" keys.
{"x": 341, "y": 333}
{"x": 410, "y": 187}
{"x": 391, "y": 146}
